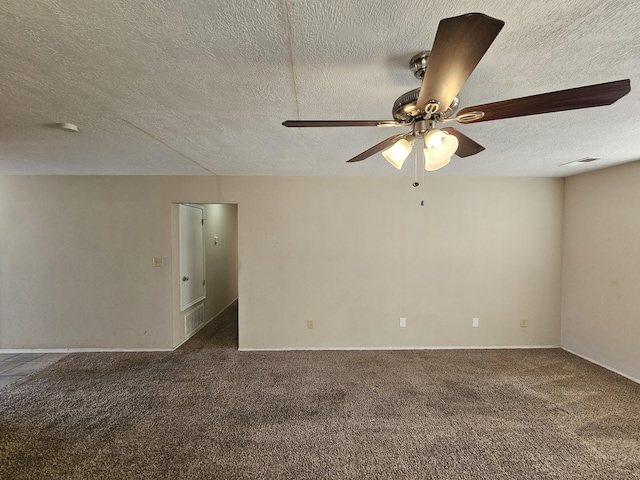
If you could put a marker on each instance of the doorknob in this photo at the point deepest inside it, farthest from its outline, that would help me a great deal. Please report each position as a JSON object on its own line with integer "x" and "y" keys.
{"x": 185, "y": 279}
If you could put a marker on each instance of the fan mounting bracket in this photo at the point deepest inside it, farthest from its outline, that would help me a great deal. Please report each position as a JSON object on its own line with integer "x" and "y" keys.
{"x": 418, "y": 63}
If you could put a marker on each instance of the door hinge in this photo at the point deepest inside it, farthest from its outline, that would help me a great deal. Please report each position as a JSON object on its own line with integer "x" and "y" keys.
{"x": 204, "y": 282}
{"x": 202, "y": 221}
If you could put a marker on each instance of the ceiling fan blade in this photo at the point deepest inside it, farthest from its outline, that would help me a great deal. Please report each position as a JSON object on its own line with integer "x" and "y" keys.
{"x": 571, "y": 99}
{"x": 459, "y": 45}
{"x": 342, "y": 123}
{"x": 466, "y": 146}
{"x": 377, "y": 148}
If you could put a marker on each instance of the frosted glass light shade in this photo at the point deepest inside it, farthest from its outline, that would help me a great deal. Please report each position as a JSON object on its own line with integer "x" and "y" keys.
{"x": 398, "y": 153}
{"x": 440, "y": 146}
{"x": 430, "y": 164}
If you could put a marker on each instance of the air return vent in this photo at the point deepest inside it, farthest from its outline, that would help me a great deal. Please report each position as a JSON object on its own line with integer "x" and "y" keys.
{"x": 194, "y": 320}
{"x": 580, "y": 162}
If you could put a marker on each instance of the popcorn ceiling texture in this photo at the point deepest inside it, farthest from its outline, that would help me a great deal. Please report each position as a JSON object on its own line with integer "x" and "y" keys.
{"x": 183, "y": 87}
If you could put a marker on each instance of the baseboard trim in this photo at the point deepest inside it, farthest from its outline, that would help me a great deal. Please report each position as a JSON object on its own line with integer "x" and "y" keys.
{"x": 500, "y": 347}
{"x": 205, "y": 323}
{"x": 81, "y": 350}
{"x": 600, "y": 364}
{"x": 115, "y": 350}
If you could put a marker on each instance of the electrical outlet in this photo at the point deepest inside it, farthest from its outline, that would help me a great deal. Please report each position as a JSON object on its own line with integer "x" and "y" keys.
{"x": 523, "y": 323}
{"x": 475, "y": 322}
{"x": 403, "y": 322}
{"x": 309, "y": 323}
{"x": 158, "y": 261}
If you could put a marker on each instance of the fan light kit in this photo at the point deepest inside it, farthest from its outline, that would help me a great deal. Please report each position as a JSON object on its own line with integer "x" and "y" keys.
{"x": 460, "y": 44}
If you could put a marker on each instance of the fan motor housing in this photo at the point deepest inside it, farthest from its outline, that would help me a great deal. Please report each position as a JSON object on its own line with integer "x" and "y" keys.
{"x": 406, "y": 111}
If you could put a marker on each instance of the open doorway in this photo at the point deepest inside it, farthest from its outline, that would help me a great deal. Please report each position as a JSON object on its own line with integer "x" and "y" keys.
{"x": 219, "y": 233}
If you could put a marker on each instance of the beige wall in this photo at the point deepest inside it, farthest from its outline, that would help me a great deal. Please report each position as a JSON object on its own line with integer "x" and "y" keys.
{"x": 356, "y": 254}
{"x": 601, "y": 284}
{"x": 76, "y": 260}
{"x": 352, "y": 254}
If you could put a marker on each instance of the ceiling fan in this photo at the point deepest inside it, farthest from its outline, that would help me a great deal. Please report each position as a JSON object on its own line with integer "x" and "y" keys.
{"x": 459, "y": 45}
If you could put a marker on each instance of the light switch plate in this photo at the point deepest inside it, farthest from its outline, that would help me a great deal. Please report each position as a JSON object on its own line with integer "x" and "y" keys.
{"x": 158, "y": 261}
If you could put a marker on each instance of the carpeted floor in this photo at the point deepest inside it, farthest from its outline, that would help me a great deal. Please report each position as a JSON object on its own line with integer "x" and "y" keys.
{"x": 208, "y": 411}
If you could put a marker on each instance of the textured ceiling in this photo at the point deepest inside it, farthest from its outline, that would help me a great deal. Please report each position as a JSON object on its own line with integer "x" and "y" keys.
{"x": 201, "y": 87}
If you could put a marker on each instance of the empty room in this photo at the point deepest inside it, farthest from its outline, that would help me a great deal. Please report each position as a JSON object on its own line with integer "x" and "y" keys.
{"x": 319, "y": 239}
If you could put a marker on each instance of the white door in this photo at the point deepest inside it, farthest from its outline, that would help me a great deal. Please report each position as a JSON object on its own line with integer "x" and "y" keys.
{"x": 192, "y": 270}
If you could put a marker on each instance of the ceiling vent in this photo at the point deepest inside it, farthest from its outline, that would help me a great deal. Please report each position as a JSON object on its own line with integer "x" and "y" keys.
{"x": 580, "y": 162}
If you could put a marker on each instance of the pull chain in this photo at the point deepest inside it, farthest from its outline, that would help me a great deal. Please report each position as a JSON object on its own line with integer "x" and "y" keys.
{"x": 415, "y": 168}
{"x": 424, "y": 186}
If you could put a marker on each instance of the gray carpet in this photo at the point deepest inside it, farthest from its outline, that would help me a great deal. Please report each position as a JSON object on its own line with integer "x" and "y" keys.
{"x": 208, "y": 411}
